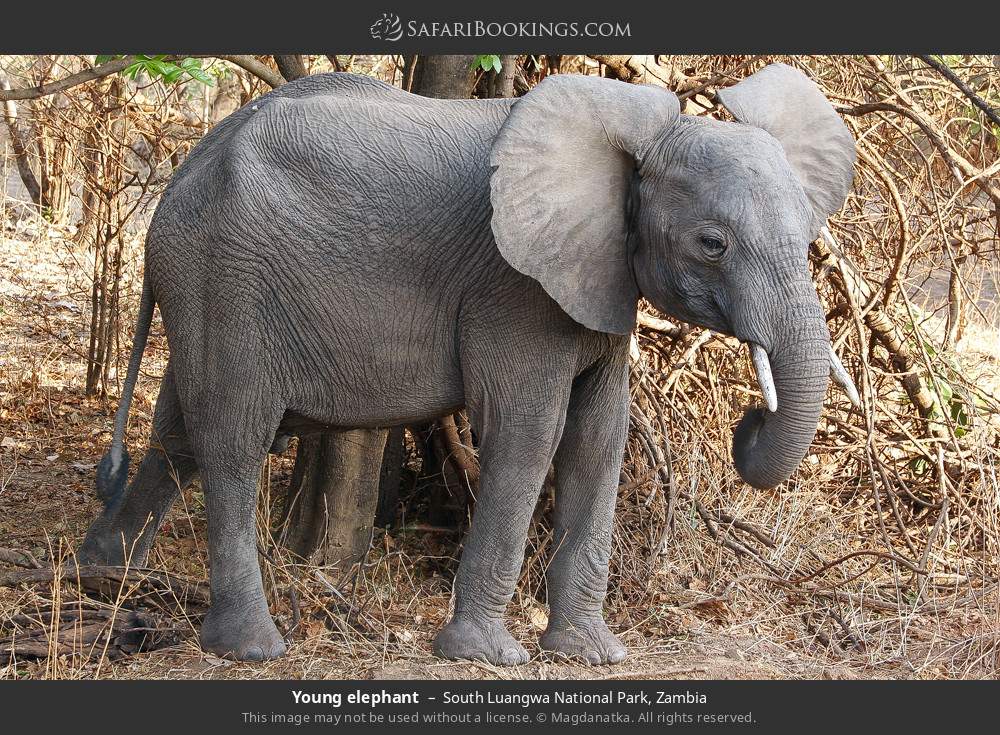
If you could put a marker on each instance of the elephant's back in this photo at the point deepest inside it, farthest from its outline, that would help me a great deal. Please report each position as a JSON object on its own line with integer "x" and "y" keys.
{"x": 330, "y": 158}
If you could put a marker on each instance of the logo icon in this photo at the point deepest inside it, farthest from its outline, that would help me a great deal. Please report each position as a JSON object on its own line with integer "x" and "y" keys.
{"x": 387, "y": 28}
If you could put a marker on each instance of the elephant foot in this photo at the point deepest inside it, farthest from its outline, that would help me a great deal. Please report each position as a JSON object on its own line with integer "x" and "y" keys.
{"x": 104, "y": 547}
{"x": 590, "y": 641}
{"x": 243, "y": 633}
{"x": 488, "y": 641}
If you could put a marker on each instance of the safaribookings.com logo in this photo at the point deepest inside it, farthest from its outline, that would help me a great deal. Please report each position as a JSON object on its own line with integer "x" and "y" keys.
{"x": 390, "y": 28}
{"x": 387, "y": 28}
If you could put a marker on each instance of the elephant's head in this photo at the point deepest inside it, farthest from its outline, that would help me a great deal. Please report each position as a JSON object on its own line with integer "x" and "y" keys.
{"x": 604, "y": 192}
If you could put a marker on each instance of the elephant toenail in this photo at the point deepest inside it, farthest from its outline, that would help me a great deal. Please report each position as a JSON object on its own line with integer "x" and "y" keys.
{"x": 254, "y": 653}
{"x": 510, "y": 657}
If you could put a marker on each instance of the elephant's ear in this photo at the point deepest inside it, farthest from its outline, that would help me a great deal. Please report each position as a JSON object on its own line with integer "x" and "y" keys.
{"x": 564, "y": 162}
{"x": 788, "y": 105}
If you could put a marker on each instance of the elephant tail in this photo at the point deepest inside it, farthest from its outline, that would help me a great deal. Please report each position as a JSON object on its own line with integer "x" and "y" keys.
{"x": 112, "y": 470}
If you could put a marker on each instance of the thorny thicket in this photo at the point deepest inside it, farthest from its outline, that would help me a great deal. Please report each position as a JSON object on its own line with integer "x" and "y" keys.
{"x": 889, "y": 531}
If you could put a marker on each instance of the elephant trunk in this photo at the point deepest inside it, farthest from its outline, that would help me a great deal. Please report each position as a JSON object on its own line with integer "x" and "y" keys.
{"x": 768, "y": 446}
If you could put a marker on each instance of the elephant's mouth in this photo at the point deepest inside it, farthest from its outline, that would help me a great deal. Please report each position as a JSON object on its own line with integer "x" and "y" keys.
{"x": 765, "y": 378}
{"x": 771, "y": 440}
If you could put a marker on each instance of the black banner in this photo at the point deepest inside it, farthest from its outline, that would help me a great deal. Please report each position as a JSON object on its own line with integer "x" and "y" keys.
{"x": 457, "y": 706}
{"x": 392, "y": 26}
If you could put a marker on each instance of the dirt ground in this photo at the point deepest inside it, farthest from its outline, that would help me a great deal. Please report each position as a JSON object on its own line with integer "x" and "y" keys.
{"x": 380, "y": 623}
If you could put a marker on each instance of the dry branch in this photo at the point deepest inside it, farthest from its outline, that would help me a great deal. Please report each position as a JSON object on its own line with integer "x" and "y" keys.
{"x": 952, "y": 77}
{"x": 861, "y": 296}
{"x": 73, "y": 80}
{"x": 172, "y": 589}
{"x": 244, "y": 61}
{"x": 911, "y": 109}
{"x": 257, "y": 68}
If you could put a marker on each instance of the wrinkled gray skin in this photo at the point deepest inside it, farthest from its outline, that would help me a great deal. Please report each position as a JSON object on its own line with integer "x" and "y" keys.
{"x": 329, "y": 257}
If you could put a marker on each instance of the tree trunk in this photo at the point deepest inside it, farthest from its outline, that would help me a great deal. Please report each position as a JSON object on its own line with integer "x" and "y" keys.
{"x": 20, "y": 149}
{"x": 393, "y": 457}
{"x": 505, "y": 79}
{"x": 499, "y": 84}
{"x": 330, "y": 506}
{"x": 291, "y": 66}
{"x": 443, "y": 76}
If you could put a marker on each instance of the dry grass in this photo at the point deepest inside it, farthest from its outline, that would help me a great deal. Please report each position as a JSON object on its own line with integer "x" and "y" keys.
{"x": 878, "y": 559}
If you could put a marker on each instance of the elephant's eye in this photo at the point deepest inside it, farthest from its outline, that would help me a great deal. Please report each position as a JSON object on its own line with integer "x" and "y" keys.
{"x": 714, "y": 246}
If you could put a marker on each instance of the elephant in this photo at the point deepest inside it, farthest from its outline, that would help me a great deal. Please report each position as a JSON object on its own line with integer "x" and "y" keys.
{"x": 342, "y": 254}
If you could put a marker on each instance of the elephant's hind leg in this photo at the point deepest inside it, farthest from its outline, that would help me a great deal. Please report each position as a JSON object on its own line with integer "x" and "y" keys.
{"x": 123, "y": 533}
{"x": 232, "y": 433}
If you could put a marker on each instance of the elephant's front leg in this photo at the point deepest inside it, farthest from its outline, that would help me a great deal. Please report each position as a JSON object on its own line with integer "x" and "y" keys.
{"x": 587, "y": 465}
{"x": 514, "y": 461}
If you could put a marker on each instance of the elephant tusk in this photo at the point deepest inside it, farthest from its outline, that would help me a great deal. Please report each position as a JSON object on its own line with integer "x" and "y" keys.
{"x": 763, "y": 366}
{"x": 842, "y": 379}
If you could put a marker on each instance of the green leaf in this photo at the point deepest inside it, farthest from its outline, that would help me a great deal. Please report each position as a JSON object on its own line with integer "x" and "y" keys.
{"x": 202, "y": 76}
{"x": 487, "y": 62}
{"x": 192, "y": 67}
{"x": 157, "y": 67}
{"x": 945, "y": 390}
{"x": 960, "y": 417}
{"x": 164, "y": 69}
{"x": 132, "y": 70}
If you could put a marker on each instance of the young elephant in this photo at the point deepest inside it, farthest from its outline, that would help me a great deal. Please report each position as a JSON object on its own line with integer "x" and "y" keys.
{"x": 343, "y": 254}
